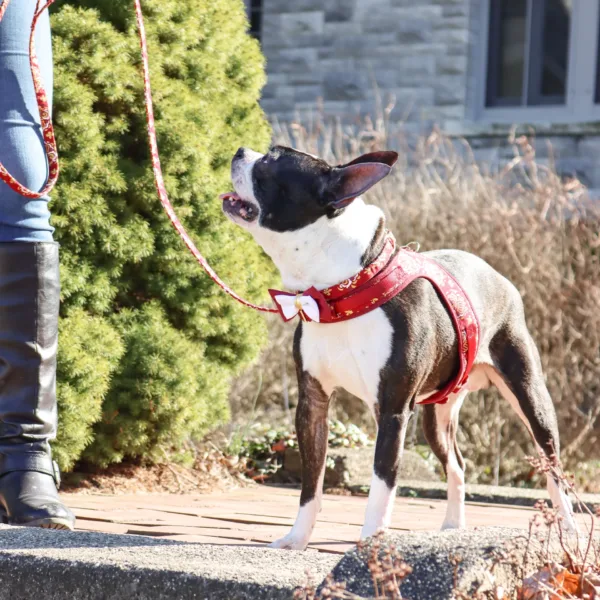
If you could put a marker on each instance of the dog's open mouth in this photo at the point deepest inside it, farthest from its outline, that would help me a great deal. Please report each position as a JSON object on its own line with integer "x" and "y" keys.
{"x": 235, "y": 206}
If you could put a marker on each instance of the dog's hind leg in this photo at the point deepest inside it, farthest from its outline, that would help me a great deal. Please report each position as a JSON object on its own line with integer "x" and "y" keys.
{"x": 517, "y": 373}
{"x": 440, "y": 424}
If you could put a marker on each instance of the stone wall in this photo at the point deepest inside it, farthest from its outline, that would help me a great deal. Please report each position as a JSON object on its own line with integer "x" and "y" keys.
{"x": 357, "y": 54}
{"x": 352, "y": 57}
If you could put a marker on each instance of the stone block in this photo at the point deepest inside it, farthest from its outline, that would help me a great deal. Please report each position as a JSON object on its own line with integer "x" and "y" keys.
{"x": 269, "y": 91}
{"x": 339, "y": 11}
{"x": 337, "y": 31}
{"x": 306, "y": 77}
{"x": 589, "y": 146}
{"x": 557, "y": 147}
{"x": 574, "y": 166}
{"x": 487, "y": 158}
{"x": 377, "y": 22}
{"x": 384, "y": 78}
{"x": 276, "y": 106}
{"x": 452, "y": 36}
{"x": 270, "y": 25}
{"x": 293, "y": 60}
{"x": 458, "y": 10}
{"x": 450, "y": 90}
{"x": 272, "y": 44}
{"x": 330, "y": 65}
{"x": 452, "y": 23}
{"x": 594, "y": 184}
{"x": 457, "y": 49}
{"x": 289, "y": 6}
{"x": 361, "y": 46}
{"x": 410, "y": 71}
{"x": 409, "y": 52}
{"x": 364, "y": 8}
{"x": 337, "y": 108}
{"x": 414, "y": 31}
{"x": 302, "y": 23}
{"x": 451, "y": 112}
{"x": 307, "y": 93}
{"x": 451, "y": 65}
{"x": 417, "y": 97}
{"x": 419, "y": 10}
{"x": 344, "y": 85}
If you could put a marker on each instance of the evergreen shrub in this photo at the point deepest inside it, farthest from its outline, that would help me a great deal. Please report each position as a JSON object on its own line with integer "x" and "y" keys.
{"x": 148, "y": 342}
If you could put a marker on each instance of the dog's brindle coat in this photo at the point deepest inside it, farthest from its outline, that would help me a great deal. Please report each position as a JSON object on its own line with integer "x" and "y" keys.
{"x": 309, "y": 218}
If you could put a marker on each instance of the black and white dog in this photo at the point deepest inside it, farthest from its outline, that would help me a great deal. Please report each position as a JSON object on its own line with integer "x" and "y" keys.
{"x": 309, "y": 218}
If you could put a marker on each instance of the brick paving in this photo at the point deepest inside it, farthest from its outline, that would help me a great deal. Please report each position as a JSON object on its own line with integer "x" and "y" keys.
{"x": 259, "y": 515}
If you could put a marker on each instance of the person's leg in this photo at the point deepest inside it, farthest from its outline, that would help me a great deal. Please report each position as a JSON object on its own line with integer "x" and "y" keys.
{"x": 29, "y": 289}
{"x": 21, "y": 146}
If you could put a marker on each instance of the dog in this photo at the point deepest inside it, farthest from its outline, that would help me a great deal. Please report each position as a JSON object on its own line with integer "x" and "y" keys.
{"x": 309, "y": 217}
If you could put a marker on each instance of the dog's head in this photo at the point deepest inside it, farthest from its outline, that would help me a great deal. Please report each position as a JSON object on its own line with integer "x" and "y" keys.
{"x": 287, "y": 190}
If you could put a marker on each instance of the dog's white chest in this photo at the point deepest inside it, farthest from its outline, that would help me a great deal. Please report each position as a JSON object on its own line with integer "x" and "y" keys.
{"x": 350, "y": 354}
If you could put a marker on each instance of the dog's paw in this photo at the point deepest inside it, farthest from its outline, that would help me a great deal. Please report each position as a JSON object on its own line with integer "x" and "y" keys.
{"x": 369, "y": 530}
{"x": 290, "y": 542}
{"x": 453, "y": 524}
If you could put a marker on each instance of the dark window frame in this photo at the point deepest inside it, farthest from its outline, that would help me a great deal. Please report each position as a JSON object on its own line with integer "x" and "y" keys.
{"x": 531, "y": 95}
{"x": 255, "y": 16}
{"x": 493, "y": 67}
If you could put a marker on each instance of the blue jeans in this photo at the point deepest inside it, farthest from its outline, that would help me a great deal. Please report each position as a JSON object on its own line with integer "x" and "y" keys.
{"x": 21, "y": 146}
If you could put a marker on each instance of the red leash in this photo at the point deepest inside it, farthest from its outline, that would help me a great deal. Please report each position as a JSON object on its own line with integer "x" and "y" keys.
{"x": 52, "y": 154}
{"x": 158, "y": 178}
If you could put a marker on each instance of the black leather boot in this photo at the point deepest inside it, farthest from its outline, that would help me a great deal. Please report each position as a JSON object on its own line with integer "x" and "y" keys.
{"x": 29, "y": 302}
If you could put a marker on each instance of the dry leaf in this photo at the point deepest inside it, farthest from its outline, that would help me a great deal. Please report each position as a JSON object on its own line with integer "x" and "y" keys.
{"x": 565, "y": 583}
{"x": 278, "y": 446}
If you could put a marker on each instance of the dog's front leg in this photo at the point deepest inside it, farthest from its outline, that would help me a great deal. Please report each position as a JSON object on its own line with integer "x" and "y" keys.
{"x": 312, "y": 431}
{"x": 388, "y": 454}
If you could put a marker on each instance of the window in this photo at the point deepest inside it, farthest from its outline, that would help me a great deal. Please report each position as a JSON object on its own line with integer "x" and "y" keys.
{"x": 255, "y": 17}
{"x": 541, "y": 61}
{"x": 528, "y": 52}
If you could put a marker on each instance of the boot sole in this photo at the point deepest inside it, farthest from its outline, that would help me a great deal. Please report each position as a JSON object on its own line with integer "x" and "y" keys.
{"x": 48, "y": 523}
{"x": 59, "y": 524}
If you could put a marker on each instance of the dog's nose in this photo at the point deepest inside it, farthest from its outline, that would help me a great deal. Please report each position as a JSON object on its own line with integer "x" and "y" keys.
{"x": 240, "y": 153}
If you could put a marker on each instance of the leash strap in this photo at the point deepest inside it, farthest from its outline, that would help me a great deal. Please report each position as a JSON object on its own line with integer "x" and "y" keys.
{"x": 45, "y": 117}
{"x": 52, "y": 153}
{"x": 158, "y": 177}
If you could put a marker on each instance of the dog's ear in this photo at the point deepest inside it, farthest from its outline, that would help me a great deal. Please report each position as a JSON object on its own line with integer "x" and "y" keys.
{"x": 354, "y": 179}
{"x": 388, "y": 158}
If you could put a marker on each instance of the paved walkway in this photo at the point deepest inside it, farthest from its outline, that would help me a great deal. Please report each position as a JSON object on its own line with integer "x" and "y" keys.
{"x": 260, "y": 515}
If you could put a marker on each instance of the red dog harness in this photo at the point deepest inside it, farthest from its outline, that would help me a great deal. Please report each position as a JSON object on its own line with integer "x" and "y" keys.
{"x": 383, "y": 279}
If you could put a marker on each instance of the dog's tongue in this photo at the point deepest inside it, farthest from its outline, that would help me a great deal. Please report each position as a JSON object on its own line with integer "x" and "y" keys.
{"x": 231, "y": 196}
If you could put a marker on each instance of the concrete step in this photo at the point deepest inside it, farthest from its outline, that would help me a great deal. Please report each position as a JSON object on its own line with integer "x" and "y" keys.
{"x": 63, "y": 565}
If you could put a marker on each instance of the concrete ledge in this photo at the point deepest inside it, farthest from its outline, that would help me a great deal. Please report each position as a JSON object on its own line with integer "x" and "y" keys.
{"x": 433, "y": 574}
{"x": 478, "y": 493}
{"x": 59, "y": 565}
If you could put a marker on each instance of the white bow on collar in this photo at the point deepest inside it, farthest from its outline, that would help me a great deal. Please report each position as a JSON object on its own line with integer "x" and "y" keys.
{"x": 292, "y": 305}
